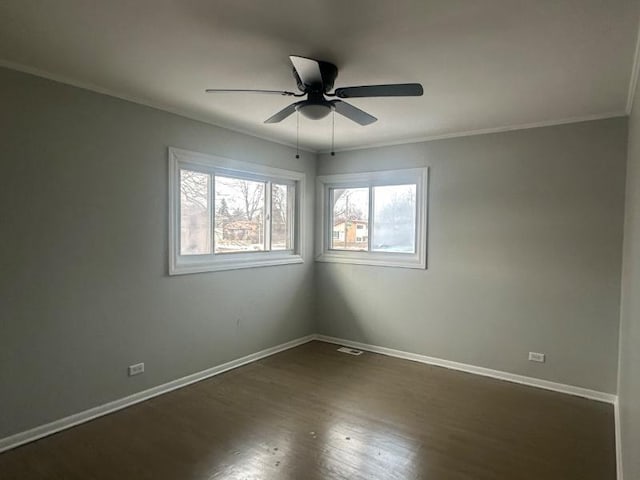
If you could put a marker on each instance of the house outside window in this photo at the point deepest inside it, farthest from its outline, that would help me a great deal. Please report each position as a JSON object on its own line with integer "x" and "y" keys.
{"x": 351, "y": 233}
{"x": 373, "y": 218}
{"x": 226, "y": 214}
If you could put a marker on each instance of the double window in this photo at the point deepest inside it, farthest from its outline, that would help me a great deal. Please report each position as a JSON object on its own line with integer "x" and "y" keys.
{"x": 375, "y": 218}
{"x": 227, "y": 214}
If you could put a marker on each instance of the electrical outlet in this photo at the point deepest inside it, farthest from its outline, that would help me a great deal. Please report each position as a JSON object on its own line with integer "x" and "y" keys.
{"x": 136, "y": 369}
{"x": 536, "y": 357}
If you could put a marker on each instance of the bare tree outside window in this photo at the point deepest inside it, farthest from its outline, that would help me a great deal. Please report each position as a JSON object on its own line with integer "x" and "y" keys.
{"x": 350, "y": 218}
{"x": 225, "y": 214}
{"x": 239, "y": 219}
{"x": 374, "y": 218}
{"x": 239, "y": 207}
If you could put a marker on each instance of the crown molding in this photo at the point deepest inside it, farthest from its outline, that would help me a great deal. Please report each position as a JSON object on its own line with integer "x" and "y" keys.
{"x": 484, "y": 131}
{"x": 140, "y": 101}
{"x": 426, "y": 138}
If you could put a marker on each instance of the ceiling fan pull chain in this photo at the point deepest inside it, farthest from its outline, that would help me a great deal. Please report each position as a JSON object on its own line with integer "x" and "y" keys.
{"x": 333, "y": 133}
{"x": 297, "y": 134}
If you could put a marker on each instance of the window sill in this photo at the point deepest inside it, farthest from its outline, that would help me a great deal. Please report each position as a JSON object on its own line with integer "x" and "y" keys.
{"x": 377, "y": 260}
{"x": 195, "y": 266}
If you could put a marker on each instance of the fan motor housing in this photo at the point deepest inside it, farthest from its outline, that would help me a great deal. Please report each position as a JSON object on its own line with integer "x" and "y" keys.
{"x": 329, "y": 73}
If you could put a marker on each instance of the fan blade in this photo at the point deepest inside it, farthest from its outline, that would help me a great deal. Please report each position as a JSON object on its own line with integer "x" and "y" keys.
{"x": 308, "y": 70}
{"x": 394, "y": 90}
{"x": 233, "y": 90}
{"x": 282, "y": 114}
{"x": 353, "y": 113}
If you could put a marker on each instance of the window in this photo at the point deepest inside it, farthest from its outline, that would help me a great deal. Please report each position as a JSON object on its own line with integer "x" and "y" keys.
{"x": 375, "y": 218}
{"x": 226, "y": 214}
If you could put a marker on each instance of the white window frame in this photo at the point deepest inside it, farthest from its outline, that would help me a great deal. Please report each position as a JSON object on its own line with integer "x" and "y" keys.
{"x": 214, "y": 165}
{"x": 323, "y": 253}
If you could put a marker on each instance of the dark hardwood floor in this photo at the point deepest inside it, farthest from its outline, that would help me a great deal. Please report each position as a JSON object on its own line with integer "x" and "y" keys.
{"x": 314, "y": 413}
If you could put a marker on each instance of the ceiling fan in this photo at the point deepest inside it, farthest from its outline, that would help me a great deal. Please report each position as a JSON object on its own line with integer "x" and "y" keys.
{"x": 315, "y": 79}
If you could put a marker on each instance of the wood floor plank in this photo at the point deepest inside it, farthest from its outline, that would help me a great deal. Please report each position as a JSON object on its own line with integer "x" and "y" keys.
{"x": 314, "y": 413}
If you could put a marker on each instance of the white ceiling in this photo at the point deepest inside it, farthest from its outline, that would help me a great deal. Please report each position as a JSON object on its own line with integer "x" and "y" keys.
{"x": 484, "y": 65}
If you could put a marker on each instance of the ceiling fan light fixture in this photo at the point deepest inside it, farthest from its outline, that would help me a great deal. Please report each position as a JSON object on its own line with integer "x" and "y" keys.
{"x": 315, "y": 79}
{"x": 315, "y": 111}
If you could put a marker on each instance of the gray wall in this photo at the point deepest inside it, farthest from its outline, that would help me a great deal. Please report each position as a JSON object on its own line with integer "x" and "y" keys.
{"x": 524, "y": 254}
{"x": 629, "y": 380}
{"x": 83, "y": 254}
{"x": 525, "y": 240}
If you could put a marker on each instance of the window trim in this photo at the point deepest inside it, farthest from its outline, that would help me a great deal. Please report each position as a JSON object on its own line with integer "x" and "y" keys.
{"x": 323, "y": 252}
{"x": 213, "y": 164}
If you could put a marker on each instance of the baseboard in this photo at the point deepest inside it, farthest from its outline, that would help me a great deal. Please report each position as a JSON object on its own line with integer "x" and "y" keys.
{"x": 21, "y": 438}
{"x": 616, "y": 413}
{"x": 487, "y": 372}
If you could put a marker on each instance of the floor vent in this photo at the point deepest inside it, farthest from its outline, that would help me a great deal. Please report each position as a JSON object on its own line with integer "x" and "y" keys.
{"x": 350, "y": 351}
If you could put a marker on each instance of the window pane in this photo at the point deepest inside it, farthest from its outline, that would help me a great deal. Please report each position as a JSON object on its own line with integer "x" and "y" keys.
{"x": 239, "y": 207}
{"x": 195, "y": 217}
{"x": 282, "y": 198}
{"x": 394, "y": 218}
{"x": 349, "y": 218}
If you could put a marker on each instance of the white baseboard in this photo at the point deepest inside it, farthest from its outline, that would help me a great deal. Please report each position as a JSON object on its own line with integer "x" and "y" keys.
{"x": 616, "y": 413}
{"x": 21, "y": 438}
{"x": 487, "y": 372}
